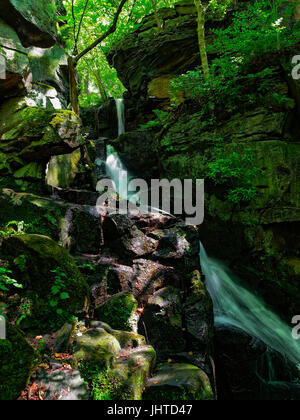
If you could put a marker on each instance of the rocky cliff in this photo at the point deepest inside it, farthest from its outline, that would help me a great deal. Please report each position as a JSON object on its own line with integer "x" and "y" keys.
{"x": 35, "y": 123}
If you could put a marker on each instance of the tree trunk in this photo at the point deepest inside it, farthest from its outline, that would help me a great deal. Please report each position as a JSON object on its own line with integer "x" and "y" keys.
{"x": 201, "y": 37}
{"x": 157, "y": 18}
{"x": 100, "y": 84}
{"x": 297, "y": 11}
{"x": 73, "y": 85}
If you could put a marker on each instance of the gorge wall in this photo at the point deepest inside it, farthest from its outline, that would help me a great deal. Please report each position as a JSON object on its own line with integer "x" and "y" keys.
{"x": 259, "y": 237}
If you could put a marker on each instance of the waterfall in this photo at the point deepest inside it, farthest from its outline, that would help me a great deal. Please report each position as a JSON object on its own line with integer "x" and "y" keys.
{"x": 116, "y": 170}
{"x": 121, "y": 115}
{"x": 235, "y": 305}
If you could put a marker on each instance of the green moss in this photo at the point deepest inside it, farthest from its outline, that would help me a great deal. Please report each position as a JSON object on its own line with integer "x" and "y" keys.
{"x": 119, "y": 312}
{"x": 45, "y": 260}
{"x": 96, "y": 346}
{"x": 179, "y": 382}
{"x": 17, "y": 362}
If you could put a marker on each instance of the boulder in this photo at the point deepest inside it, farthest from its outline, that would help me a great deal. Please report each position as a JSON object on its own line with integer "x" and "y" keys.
{"x": 96, "y": 347}
{"x": 63, "y": 338}
{"x": 62, "y": 169}
{"x": 124, "y": 237}
{"x": 176, "y": 381}
{"x": 135, "y": 371}
{"x": 43, "y": 260}
{"x": 162, "y": 322}
{"x": 198, "y": 316}
{"x": 119, "y": 312}
{"x": 18, "y": 360}
{"x": 127, "y": 340}
{"x": 63, "y": 222}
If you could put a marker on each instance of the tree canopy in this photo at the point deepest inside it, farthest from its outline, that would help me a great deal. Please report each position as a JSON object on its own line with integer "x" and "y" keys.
{"x": 87, "y": 22}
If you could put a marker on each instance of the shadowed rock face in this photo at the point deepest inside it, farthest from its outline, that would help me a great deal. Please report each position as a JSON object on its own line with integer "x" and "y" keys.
{"x": 33, "y": 20}
{"x": 247, "y": 367}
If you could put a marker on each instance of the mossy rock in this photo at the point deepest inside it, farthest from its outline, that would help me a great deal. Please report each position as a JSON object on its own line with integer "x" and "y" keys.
{"x": 126, "y": 339}
{"x": 32, "y": 134}
{"x": 40, "y": 256}
{"x": 18, "y": 360}
{"x": 179, "y": 381}
{"x": 119, "y": 312}
{"x": 135, "y": 371}
{"x": 96, "y": 347}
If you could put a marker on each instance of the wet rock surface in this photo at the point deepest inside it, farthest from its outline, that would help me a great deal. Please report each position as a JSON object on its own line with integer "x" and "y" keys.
{"x": 247, "y": 367}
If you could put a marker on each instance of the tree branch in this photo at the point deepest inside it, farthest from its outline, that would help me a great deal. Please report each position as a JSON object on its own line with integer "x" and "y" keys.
{"x": 80, "y": 23}
{"x": 110, "y": 31}
{"x": 73, "y": 15}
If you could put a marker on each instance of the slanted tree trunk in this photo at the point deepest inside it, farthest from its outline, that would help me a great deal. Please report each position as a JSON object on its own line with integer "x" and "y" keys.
{"x": 73, "y": 85}
{"x": 201, "y": 12}
{"x": 157, "y": 18}
{"x": 297, "y": 11}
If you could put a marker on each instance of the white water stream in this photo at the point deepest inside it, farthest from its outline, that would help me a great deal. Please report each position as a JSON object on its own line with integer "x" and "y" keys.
{"x": 235, "y": 305}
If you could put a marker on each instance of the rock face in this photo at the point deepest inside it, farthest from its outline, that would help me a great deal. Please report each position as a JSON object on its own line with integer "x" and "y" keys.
{"x": 33, "y": 20}
{"x": 257, "y": 237}
{"x": 247, "y": 367}
{"x": 33, "y": 91}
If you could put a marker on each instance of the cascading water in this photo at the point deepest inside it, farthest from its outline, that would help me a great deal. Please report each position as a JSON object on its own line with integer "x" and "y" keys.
{"x": 115, "y": 168}
{"x": 121, "y": 115}
{"x": 237, "y": 306}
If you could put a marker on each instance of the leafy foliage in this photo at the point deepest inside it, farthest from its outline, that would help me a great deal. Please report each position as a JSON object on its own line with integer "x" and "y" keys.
{"x": 235, "y": 169}
{"x": 264, "y": 28}
{"x": 97, "y": 79}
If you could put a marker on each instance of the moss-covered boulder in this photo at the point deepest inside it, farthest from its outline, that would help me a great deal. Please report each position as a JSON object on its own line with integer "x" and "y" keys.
{"x": 179, "y": 381}
{"x": 134, "y": 370}
{"x": 29, "y": 134}
{"x": 198, "y": 316}
{"x": 119, "y": 312}
{"x": 62, "y": 169}
{"x": 127, "y": 339}
{"x": 17, "y": 363}
{"x": 74, "y": 227}
{"x": 48, "y": 273}
{"x": 96, "y": 347}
